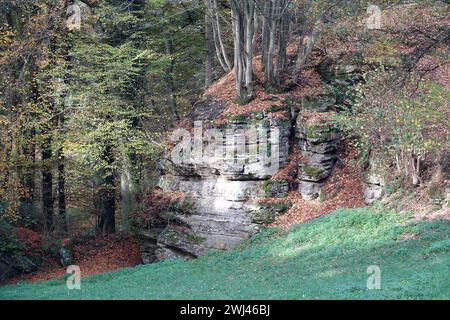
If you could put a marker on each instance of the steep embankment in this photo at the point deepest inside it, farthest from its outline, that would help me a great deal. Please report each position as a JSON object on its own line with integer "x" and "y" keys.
{"x": 321, "y": 259}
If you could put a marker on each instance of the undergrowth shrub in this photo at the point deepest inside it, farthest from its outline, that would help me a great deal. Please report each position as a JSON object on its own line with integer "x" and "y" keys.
{"x": 9, "y": 241}
{"x": 398, "y": 122}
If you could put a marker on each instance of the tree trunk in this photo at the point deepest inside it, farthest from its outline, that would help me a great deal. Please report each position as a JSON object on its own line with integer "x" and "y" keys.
{"x": 266, "y": 33}
{"x": 283, "y": 39}
{"x": 243, "y": 30}
{"x": 269, "y": 67}
{"x": 62, "y": 194}
{"x": 209, "y": 59}
{"x": 169, "y": 78}
{"x": 307, "y": 42}
{"x": 47, "y": 184}
{"x": 105, "y": 199}
{"x": 61, "y": 183}
{"x": 127, "y": 196}
{"x": 276, "y": 35}
{"x": 27, "y": 207}
{"x": 238, "y": 67}
{"x": 212, "y": 11}
{"x": 249, "y": 11}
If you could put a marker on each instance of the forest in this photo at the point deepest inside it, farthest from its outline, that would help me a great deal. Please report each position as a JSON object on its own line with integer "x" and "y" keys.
{"x": 153, "y": 144}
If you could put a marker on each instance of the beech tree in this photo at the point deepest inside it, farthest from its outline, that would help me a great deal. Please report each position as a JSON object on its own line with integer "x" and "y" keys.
{"x": 276, "y": 34}
{"x": 215, "y": 21}
{"x": 281, "y": 20}
{"x": 243, "y": 30}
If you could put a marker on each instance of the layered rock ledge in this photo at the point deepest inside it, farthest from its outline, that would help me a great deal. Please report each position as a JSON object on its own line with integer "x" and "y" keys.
{"x": 230, "y": 192}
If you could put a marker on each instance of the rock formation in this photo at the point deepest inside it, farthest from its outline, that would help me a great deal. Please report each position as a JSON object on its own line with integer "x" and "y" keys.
{"x": 225, "y": 195}
{"x": 374, "y": 184}
{"x": 14, "y": 265}
{"x": 318, "y": 144}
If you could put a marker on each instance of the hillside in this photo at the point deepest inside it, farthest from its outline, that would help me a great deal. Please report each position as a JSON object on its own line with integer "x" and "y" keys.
{"x": 343, "y": 133}
{"x": 323, "y": 259}
{"x": 232, "y": 149}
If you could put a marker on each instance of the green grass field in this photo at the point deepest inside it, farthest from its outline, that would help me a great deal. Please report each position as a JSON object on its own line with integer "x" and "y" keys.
{"x": 324, "y": 259}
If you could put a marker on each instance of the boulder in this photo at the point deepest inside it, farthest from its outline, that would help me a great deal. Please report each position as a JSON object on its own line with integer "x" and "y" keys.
{"x": 374, "y": 185}
{"x": 78, "y": 14}
{"x": 309, "y": 190}
{"x": 12, "y": 265}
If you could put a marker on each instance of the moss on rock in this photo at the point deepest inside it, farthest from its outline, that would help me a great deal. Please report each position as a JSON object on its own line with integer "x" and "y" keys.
{"x": 192, "y": 238}
{"x": 275, "y": 188}
{"x": 319, "y": 132}
{"x": 312, "y": 171}
{"x": 266, "y": 212}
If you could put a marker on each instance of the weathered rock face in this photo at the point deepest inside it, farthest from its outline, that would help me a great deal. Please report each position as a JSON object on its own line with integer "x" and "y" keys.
{"x": 318, "y": 144}
{"x": 321, "y": 103}
{"x": 374, "y": 184}
{"x": 14, "y": 265}
{"x": 227, "y": 188}
{"x": 223, "y": 185}
{"x": 78, "y": 14}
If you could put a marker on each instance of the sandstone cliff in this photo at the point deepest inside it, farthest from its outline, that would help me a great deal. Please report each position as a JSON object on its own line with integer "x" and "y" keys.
{"x": 229, "y": 195}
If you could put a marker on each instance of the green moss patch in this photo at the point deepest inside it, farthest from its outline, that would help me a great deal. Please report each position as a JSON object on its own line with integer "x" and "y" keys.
{"x": 312, "y": 171}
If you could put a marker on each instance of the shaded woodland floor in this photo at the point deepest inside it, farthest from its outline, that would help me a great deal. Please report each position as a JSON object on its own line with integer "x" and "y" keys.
{"x": 94, "y": 255}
